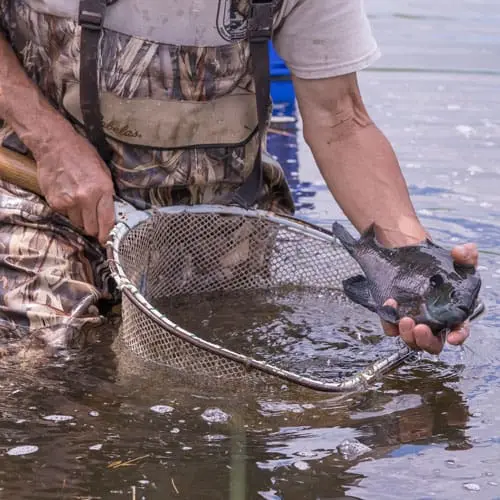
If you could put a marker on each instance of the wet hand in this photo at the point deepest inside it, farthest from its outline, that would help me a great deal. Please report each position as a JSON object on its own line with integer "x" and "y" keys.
{"x": 420, "y": 337}
{"x": 76, "y": 183}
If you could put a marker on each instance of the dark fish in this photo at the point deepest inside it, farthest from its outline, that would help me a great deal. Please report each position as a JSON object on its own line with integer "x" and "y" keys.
{"x": 423, "y": 279}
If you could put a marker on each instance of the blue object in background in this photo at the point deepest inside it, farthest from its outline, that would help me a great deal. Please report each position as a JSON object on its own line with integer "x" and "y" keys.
{"x": 282, "y": 142}
{"x": 281, "y": 84}
{"x": 278, "y": 66}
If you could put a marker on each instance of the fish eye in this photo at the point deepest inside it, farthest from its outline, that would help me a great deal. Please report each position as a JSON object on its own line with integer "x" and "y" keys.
{"x": 436, "y": 280}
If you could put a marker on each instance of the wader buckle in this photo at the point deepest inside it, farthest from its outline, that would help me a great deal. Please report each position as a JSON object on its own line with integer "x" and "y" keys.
{"x": 260, "y": 22}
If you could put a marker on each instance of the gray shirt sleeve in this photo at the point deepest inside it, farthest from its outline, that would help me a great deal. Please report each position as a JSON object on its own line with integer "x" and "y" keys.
{"x": 325, "y": 38}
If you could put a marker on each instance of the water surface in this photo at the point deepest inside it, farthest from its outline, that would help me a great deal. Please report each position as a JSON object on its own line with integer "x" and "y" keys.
{"x": 432, "y": 427}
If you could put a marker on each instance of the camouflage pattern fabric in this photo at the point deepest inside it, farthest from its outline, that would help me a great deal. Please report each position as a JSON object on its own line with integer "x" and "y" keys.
{"x": 49, "y": 272}
{"x": 134, "y": 68}
{"x": 49, "y": 268}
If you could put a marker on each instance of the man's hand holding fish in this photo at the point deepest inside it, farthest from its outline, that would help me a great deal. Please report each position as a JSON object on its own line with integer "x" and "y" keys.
{"x": 421, "y": 336}
{"x": 362, "y": 172}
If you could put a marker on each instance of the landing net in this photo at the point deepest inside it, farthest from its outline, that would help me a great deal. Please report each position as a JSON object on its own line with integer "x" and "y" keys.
{"x": 223, "y": 293}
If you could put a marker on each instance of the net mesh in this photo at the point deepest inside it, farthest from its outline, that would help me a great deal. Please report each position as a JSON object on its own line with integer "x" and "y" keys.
{"x": 172, "y": 255}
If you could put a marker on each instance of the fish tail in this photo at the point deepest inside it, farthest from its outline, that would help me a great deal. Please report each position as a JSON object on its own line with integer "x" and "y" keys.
{"x": 341, "y": 233}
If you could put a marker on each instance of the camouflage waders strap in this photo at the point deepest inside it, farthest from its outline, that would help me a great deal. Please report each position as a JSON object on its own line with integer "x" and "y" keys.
{"x": 260, "y": 30}
{"x": 91, "y": 18}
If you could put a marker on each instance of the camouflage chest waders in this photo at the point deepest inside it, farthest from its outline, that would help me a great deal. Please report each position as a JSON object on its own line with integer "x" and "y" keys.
{"x": 50, "y": 269}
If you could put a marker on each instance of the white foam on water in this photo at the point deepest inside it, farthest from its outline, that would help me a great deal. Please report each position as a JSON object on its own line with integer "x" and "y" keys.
{"x": 22, "y": 450}
{"x": 465, "y": 130}
{"x": 351, "y": 449}
{"x": 58, "y": 418}
{"x": 162, "y": 409}
{"x": 215, "y": 416}
{"x": 301, "y": 465}
{"x": 472, "y": 487}
{"x": 215, "y": 437}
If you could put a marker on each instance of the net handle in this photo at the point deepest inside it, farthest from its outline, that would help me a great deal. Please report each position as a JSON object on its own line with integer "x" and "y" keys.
{"x": 22, "y": 171}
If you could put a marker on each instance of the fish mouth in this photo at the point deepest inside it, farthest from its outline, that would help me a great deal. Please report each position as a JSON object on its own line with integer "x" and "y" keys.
{"x": 439, "y": 319}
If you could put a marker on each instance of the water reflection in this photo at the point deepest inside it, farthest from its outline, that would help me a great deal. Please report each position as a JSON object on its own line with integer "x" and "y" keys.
{"x": 282, "y": 442}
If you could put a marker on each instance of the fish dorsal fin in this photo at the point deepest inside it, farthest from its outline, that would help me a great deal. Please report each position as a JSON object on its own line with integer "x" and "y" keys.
{"x": 341, "y": 233}
{"x": 369, "y": 232}
{"x": 369, "y": 237}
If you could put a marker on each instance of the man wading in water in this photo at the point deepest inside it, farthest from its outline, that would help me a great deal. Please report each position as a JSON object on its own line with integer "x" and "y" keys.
{"x": 147, "y": 67}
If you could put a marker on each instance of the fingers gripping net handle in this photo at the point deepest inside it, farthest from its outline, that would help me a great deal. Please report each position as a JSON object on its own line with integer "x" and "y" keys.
{"x": 189, "y": 252}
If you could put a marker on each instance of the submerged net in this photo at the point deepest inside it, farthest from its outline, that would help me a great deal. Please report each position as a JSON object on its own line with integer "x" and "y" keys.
{"x": 226, "y": 293}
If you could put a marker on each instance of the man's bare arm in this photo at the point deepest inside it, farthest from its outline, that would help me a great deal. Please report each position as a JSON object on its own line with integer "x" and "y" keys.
{"x": 22, "y": 105}
{"x": 356, "y": 160}
{"x": 71, "y": 174}
{"x": 362, "y": 172}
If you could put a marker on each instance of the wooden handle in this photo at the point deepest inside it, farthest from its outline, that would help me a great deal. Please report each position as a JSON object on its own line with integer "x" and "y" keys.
{"x": 19, "y": 170}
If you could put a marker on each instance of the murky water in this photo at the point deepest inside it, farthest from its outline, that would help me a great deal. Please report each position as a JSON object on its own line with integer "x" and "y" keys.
{"x": 313, "y": 332}
{"x": 432, "y": 427}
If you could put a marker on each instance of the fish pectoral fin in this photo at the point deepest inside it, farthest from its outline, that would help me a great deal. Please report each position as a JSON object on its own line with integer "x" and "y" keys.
{"x": 357, "y": 289}
{"x": 343, "y": 235}
{"x": 388, "y": 313}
